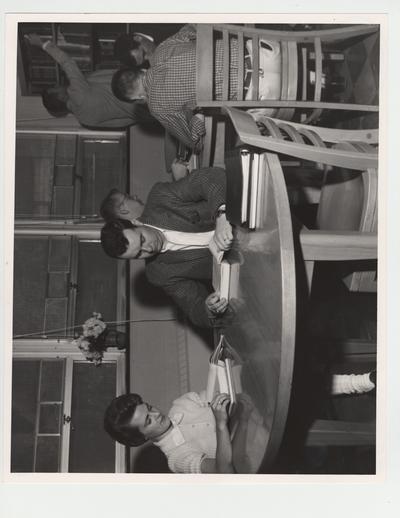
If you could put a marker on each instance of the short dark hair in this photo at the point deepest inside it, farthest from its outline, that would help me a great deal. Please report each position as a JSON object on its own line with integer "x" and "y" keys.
{"x": 123, "y": 80}
{"x": 53, "y": 104}
{"x": 113, "y": 241}
{"x": 116, "y": 419}
{"x": 107, "y": 207}
{"x": 122, "y": 49}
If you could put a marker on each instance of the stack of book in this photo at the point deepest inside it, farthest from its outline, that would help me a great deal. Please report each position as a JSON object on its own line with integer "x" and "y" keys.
{"x": 247, "y": 174}
{"x": 224, "y": 373}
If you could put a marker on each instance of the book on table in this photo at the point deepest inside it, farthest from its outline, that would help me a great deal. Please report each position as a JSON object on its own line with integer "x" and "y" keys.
{"x": 254, "y": 178}
{"x": 224, "y": 373}
{"x": 263, "y": 177}
{"x": 226, "y": 270}
{"x": 247, "y": 172}
{"x": 237, "y": 163}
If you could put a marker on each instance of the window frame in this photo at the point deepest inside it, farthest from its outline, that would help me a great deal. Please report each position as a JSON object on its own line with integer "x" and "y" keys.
{"x": 42, "y": 349}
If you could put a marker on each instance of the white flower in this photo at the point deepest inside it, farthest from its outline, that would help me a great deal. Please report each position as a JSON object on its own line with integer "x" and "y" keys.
{"x": 94, "y": 326}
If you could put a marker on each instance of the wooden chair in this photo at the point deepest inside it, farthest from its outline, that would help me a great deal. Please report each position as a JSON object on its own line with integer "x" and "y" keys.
{"x": 307, "y": 142}
{"x": 293, "y": 62}
{"x": 347, "y": 213}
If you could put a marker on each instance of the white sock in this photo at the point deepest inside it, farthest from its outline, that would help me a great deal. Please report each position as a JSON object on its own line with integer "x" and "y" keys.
{"x": 351, "y": 384}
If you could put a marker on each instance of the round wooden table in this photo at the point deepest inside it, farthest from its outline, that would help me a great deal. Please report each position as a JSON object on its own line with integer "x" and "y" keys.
{"x": 263, "y": 328}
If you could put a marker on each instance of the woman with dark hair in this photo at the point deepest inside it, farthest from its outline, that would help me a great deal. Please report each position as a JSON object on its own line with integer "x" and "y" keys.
{"x": 194, "y": 436}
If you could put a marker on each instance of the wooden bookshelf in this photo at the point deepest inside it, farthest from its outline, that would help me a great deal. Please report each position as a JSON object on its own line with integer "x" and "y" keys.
{"x": 90, "y": 45}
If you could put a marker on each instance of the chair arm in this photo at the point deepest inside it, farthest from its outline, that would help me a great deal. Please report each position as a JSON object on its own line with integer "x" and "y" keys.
{"x": 322, "y": 245}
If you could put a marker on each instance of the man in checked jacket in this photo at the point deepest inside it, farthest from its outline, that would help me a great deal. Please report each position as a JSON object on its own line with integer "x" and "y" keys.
{"x": 169, "y": 85}
{"x": 172, "y": 234}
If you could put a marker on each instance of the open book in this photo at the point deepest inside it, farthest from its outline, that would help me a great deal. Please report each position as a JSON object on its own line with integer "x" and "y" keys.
{"x": 224, "y": 373}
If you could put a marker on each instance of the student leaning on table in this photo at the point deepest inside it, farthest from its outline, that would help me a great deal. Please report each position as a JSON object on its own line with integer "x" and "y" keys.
{"x": 194, "y": 436}
{"x": 172, "y": 234}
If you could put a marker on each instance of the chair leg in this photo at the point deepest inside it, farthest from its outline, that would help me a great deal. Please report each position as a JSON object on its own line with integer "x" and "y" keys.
{"x": 309, "y": 265}
{"x": 219, "y": 154}
{"x": 341, "y": 433}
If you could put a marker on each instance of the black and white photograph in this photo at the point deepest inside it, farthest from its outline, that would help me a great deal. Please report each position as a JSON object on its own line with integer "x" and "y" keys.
{"x": 195, "y": 247}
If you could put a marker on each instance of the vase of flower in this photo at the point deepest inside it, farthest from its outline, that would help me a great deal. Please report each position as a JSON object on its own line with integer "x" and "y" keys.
{"x": 97, "y": 337}
{"x": 115, "y": 338}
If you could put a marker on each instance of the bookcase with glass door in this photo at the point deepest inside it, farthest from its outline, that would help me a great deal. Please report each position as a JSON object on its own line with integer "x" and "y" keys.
{"x": 91, "y": 45}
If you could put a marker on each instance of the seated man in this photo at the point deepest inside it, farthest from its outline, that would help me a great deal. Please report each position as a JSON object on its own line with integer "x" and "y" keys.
{"x": 90, "y": 97}
{"x": 173, "y": 233}
{"x": 194, "y": 436}
{"x": 119, "y": 205}
{"x": 169, "y": 85}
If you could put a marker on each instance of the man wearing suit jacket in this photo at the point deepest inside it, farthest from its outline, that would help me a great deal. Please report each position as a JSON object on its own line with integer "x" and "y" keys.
{"x": 172, "y": 235}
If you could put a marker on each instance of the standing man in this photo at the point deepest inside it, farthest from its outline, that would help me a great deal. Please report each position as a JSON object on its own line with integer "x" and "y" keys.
{"x": 173, "y": 234}
{"x": 89, "y": 98}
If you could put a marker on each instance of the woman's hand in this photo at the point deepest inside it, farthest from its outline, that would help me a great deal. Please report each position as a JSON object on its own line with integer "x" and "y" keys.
{"x": 219, "y": 407}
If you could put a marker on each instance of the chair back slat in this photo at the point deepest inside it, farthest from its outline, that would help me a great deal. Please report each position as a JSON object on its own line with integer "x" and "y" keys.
{"x": 318, "y": 69}
{"x": 291, "y": 80}
{"x": 292, "y": 70}
{"x": 255, "y": 66}
{"x": 226, "y": 61}
{"x": 292, "y": 132}
{"x": 205, "y": 158}
{"x": 304, "y": 74}
{"x": 205, "y": 62}
{"x": 285, "y": 67}
{"x": 272, "y": 127}
{"x": 240, "y": 81}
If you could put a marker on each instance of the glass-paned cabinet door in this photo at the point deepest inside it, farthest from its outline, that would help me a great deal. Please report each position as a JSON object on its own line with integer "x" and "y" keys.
{"x": 64, "y": 177}
{"x": 37, "y": 411}
{"x": 58, "y": 408}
